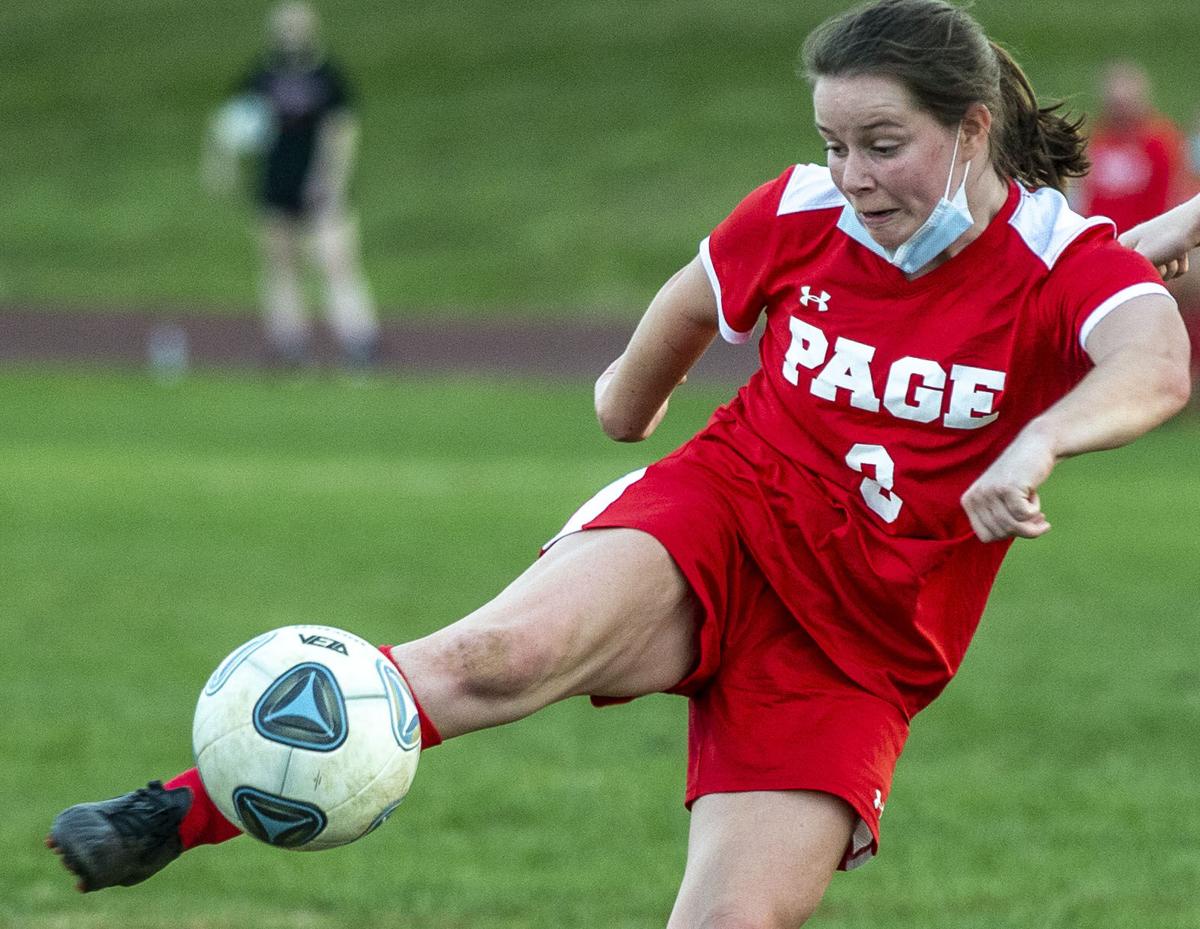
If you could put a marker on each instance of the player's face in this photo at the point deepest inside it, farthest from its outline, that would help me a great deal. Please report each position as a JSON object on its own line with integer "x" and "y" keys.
{"x": 888, "y": 157}
{"x": 1126, "y": 94}
{"x": 293, "y": 27}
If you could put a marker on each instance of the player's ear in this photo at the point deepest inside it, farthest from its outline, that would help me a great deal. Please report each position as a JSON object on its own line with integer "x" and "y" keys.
{"x": 976, "y": 129}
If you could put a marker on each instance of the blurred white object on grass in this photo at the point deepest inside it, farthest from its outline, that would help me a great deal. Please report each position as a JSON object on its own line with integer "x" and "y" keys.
{"x": 167, "y": 352}
{"x": 243, "y": 125}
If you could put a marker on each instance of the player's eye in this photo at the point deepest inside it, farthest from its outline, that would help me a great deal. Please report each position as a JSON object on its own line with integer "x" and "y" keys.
{"x": 834, "y": 150}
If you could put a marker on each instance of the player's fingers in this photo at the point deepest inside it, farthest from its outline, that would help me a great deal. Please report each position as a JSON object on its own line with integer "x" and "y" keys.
{"x": 973, "y": 502}
{"x": 1018, "y": 505}
{"x": 984, "y": 518}
{"x": 981, "y": 530}
{"x": 1003, "y": 520}
{"x": 1009, "y": 512}
{"x": 1031, "y": 528}
{"x": 1174, "y": 268}
{"x": 1022, "y": 515}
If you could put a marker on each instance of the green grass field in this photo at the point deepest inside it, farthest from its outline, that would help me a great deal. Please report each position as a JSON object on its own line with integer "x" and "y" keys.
{"x": 147, "y": 530}
{"x": 555, "y": 156}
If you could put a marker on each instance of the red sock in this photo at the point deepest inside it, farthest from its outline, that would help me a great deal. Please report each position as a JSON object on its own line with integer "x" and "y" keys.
{"x": 429, "y": 733}
{"x": 203, "y": 823}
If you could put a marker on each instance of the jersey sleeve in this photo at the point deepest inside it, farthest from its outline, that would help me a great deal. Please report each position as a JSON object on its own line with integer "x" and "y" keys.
{"x": 737, "y": 256}
{"x": 1094, "y": 276}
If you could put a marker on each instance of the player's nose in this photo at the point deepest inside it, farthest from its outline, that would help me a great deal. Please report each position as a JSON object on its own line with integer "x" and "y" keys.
{"x": 856, "y": 174}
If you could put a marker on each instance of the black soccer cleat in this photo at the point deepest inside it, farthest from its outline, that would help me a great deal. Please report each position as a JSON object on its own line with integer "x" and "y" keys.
{"x": 121, "y": 841}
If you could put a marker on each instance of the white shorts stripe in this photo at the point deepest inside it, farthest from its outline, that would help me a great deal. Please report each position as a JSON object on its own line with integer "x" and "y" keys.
{"x": 860, "y": 849}
{"x": 597, "y": 505}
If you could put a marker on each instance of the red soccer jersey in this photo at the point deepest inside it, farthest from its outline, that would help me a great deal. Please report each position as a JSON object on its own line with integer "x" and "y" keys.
{"x": 1136, "y": 173}
{"x": 888, "y": 397}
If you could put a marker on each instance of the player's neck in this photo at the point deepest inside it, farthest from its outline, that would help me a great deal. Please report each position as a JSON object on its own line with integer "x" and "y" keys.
{"x": 985, "y": 198}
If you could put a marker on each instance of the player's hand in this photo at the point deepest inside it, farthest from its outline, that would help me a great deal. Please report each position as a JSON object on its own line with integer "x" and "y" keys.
{"x": 1167, "y": 239}
{"x": 1003, "y": 502}
{"x": 1173, "y": 269}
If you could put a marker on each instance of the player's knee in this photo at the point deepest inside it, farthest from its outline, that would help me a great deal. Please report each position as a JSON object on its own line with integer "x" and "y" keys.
{"x": 759, "y": 914}
{"x": 332, "y": 250}
{"x": 331, "y": 258}
{"x": 501, "y": 661}
{"x": 753, "y": 921}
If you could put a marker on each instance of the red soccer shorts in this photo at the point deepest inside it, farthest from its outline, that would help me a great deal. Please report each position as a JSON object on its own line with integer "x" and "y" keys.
{"x": 768, "y": 709}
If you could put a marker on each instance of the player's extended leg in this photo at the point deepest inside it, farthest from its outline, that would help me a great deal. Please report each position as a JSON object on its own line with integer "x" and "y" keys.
{"x": 760, "y": 859}
{"x": 604, "y": 612}
{"x": 285, "y": 323}
{"x": 350, "y": 309}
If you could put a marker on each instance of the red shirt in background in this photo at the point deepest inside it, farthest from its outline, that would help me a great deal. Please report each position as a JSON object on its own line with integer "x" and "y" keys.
{"x": 1138, "y": 171}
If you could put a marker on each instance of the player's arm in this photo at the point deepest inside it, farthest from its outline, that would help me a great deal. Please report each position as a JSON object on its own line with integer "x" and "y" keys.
{"x": 679, "y": 324}
{"x": 1167, "y": 239}
{"x": 1140, "y": 379}
{"x": 219, "y": 157}
{"x": 218, "y": 166}
{"x": 333, "y": 159}
{"x": 226, "y": 139}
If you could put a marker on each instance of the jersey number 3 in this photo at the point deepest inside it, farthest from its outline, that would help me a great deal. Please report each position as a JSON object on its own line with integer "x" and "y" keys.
{"x": 877, "y": 489}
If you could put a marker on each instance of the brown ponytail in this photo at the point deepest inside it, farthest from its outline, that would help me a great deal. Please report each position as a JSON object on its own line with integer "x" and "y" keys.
{"x": 940, "y": 53}
{"x": 1037, "y": 145}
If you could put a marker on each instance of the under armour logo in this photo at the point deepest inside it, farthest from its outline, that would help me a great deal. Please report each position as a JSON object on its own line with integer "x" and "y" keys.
{"x": 879, "y": 800}
{"x": 807, "y": 297}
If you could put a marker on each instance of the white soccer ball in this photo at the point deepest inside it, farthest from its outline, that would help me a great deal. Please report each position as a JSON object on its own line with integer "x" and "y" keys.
{"x": 306, "y": 737}
{"x": 244, "y": 125}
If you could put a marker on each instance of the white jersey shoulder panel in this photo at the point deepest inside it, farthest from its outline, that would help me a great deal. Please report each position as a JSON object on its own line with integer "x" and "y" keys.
{"x": 809, "y": 188}
{"x": 1048, "y": 225}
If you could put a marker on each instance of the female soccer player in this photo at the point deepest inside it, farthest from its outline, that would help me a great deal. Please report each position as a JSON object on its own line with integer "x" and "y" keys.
{"x": 808, "y": 570}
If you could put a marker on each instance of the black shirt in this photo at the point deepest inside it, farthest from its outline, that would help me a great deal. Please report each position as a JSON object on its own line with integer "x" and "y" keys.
{"x": 300, "y": 97}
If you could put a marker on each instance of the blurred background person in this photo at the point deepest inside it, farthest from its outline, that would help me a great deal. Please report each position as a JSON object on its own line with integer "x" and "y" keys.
{"x": 1141, "y": 167}
{"x": 293, "y": 114}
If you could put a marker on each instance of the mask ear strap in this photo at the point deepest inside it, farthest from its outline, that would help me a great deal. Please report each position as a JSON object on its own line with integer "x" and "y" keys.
{"x": 953, "y": 156}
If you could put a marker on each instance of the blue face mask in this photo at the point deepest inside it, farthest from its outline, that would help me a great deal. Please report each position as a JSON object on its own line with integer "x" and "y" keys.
{"x": 949, "y": 220}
